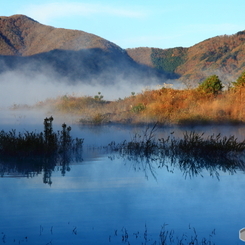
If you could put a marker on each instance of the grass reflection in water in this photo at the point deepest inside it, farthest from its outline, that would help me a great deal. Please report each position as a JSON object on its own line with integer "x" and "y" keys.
{"x": 31, "y": 153}
{"x": 165, "y": 237}
{"x": 192, "y": 154}
{"x": 123, "y": 236}
{"x": 35, "y": 153}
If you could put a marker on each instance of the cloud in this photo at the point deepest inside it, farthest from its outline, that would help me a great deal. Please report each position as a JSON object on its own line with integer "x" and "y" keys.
{"x": 46, "y": 12}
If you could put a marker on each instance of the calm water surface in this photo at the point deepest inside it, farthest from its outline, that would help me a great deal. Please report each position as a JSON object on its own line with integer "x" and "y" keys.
{"x": 106, "y": 199}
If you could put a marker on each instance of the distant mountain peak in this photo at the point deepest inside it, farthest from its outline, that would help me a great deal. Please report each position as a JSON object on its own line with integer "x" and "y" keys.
{"x": 23, "y": 36}
{"x": 18, "y": 16}
{"x": 75, "y": 56}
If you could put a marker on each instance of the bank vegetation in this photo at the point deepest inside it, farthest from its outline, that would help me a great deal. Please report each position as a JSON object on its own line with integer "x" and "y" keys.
{"x": 208, "y": 103}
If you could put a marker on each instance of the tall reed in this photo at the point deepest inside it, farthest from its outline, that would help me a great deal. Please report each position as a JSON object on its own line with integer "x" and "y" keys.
{"x": 191, "y": 154}
{"x": 46, "y": 143}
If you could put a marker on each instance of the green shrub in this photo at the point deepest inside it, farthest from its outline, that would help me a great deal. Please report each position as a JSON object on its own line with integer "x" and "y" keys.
{"x": 138, "y": 108}
{"x": 99, "y": 97}
{"x": 240, "y": 82}
{"x": 211, "y": 85}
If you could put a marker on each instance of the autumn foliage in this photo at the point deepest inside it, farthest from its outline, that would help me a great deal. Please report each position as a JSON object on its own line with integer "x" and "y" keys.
{"x": 164, "y": 105}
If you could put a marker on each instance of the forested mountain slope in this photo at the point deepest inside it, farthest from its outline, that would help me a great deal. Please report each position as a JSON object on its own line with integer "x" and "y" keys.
{"x": 221, "y": 55}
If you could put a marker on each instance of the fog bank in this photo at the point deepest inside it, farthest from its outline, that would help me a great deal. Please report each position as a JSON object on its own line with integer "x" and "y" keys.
{"x": 16, "y": 87}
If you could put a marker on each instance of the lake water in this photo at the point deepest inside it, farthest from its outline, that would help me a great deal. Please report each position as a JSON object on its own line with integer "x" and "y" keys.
{"x": 107, "y": 199}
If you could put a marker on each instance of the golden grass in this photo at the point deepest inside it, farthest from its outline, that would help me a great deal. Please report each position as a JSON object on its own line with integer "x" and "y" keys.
{"x": 166, "y": 106}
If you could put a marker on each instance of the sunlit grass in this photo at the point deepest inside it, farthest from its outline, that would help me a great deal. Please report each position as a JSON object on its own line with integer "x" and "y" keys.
{"x": 165, "y": 106}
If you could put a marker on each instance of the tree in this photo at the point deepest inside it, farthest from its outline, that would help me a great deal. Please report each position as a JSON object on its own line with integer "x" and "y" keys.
{"x": 240, "y": 82}
{"x": 99, "y": 96}
{"x": 211, "y": 85}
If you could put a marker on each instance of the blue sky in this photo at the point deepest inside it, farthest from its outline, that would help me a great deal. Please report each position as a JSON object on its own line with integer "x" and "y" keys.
{"x": 138, "y": 23}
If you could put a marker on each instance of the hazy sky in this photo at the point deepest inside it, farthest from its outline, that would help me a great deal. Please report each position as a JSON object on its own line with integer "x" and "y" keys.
{"x": 138, "y": 23}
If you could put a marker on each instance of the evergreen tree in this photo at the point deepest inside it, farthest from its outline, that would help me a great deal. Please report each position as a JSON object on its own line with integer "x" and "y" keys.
{"x": 240, "y": 82}
{"x": 211, "y": 85}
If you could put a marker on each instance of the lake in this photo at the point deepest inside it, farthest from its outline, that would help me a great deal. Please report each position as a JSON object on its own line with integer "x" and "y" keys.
{"x": 105, "y": 198}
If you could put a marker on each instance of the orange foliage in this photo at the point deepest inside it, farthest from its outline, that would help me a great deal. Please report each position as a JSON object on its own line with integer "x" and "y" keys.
{"x": 167, "y": 106}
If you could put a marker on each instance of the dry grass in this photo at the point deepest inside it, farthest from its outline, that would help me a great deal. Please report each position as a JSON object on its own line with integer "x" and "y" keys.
{"x": 165, "y": 106}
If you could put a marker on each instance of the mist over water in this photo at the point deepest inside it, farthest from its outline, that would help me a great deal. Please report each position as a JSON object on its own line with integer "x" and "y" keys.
{"x": 30, "y": 79}
{"x": 17, "y": 87}
{"x": 27, "y": 87}
{"x": 100, "y": 194}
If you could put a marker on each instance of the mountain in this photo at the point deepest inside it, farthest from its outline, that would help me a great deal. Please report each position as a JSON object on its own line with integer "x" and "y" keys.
{"x": 23, "y": 36}
{"x": 80, "y": 57}
{"x": 221, "y": 55}
{"x": 28, "y": 46}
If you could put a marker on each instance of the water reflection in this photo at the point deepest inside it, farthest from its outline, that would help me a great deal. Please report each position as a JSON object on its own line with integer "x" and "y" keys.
{"x": 118, "y": 236}
{"x": 191, "y": 164}
{"x": 101, "y": 202}
{"x": 31, "y": 153}
{"x": 165, "y": 236}
{"x": 192, "y": 155}
{"x": 31, "y": 167}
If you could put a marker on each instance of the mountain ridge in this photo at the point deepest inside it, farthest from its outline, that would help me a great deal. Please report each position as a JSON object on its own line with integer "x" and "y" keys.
{"x": 223, "y": 55}
{"x": 26, "y": 37}
{"x": 28, "y": 44}
{"x": 78, "y": 56}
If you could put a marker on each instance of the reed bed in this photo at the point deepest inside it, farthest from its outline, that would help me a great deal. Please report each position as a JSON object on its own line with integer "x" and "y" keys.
{"x": 192, "y": 143}
{"x": 192, "y": 153}
{"x": 46, "y": 143}
{"x": 32, "y": 153}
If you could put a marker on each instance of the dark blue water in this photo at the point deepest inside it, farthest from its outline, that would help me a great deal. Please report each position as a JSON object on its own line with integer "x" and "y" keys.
{"x": 106, "y": 199}
{"x": 97, "y": 198}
